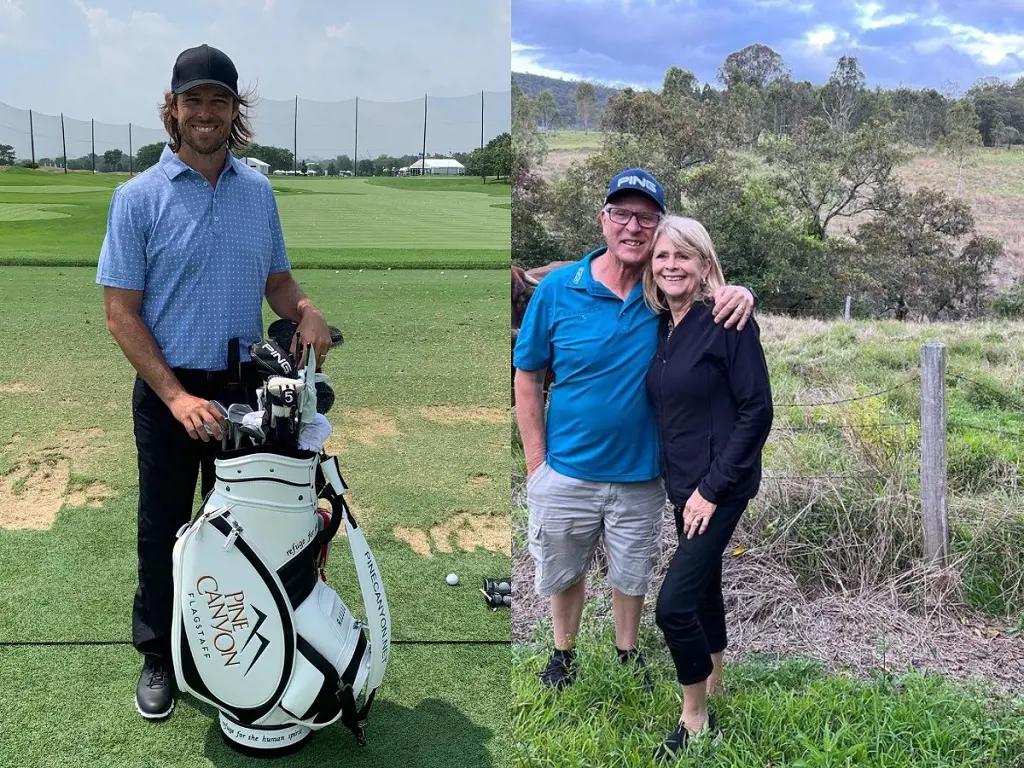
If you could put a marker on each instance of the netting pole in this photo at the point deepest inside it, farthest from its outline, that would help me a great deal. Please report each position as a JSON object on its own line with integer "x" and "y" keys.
{"x": 295, "y": 138}
{"x": 481, "y": 119}
{"x": 63, "y": 142}
{"x": 130, "y": 153}
{"x": 32, "y": 136}
{"x": 92, "y": 129}
{"x": 423, "y": 166}
{"x": 355, "y": 152}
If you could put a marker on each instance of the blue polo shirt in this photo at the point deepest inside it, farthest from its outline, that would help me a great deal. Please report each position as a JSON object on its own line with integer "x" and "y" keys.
{"x": 201, "y": 256}
{"x": 600, "y": 425}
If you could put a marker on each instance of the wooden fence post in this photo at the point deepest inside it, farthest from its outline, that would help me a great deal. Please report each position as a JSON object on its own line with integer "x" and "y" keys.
{"x": 846, "y": 312}
{"x": 933, "y": 454}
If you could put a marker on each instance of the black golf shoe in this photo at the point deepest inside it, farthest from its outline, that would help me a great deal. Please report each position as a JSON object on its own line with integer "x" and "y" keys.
{"x": 560, "y": 671}
{"x": 154, "y": 695}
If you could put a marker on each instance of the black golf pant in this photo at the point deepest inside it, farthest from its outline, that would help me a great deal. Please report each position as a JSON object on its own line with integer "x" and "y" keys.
{"x": 169, "y": 466}
{"x": 690, "y": 610}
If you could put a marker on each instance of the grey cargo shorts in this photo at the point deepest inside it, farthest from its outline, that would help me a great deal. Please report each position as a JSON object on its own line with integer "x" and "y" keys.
{"x": 569, "y": 516}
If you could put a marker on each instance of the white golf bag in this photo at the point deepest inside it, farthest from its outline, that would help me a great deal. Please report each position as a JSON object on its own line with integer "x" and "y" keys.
{"x": 257, "y": 632}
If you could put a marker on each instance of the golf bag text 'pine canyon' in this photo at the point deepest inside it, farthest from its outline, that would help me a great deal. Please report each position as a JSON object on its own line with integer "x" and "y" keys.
{"x": 257, "y": 631}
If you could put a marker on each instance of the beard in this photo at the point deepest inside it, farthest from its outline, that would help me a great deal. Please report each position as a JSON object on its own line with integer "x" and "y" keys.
{"x": 213, "y": 145}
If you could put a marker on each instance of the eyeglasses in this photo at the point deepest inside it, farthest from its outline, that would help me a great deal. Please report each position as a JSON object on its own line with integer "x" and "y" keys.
{"x": 624, "y": 215}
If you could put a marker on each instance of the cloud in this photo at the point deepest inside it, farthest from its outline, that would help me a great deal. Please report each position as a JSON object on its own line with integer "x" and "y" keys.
{"x": 868, "y": 17}
{"x": 11, "y": 16}
{"x": 269, "y": 5}
{"x": 341, "y": 32}
{"x": 821, "y": 38}
{"x": 524, "y": 59}
{"x": 990, "y": 48}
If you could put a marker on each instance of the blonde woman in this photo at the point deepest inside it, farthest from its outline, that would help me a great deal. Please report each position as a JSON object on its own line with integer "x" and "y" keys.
{"x": 710, "y": 390}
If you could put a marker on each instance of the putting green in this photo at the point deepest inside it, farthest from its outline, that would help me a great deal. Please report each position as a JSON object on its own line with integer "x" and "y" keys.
{"x": 49, "y": 189}
{"x": 28, "y": 212}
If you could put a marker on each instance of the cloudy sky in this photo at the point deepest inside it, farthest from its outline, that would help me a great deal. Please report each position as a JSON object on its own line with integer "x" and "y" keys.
{"x": 111, "y": 59}
{"x": 632, "y": 42}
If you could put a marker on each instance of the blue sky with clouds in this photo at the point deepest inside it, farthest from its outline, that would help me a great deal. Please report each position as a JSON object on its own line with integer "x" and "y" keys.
{"x": 112, "y": 59}
{"x": 632, "y": 42}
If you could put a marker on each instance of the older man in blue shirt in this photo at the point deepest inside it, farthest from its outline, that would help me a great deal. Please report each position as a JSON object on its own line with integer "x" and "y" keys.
{"x": 193, "y": 245}
{"x": 594, "y": 464}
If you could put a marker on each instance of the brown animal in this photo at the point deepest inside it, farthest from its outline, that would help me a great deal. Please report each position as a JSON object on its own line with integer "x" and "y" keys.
{"x": 524, "y": 283}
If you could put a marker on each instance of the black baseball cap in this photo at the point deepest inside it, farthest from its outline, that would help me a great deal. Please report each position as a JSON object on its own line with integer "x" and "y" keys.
{"x": 204, "y": 65}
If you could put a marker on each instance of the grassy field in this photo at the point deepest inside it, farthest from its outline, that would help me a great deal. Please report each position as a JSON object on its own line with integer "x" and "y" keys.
{"x": 49, "y": 218}
{"x": 842, "y": 651}
{"x": 421, "y": 431}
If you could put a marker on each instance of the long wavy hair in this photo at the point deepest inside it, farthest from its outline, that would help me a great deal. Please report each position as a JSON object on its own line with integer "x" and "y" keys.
{"x": 241, "y": 127}
{"x": 690, "y": 237}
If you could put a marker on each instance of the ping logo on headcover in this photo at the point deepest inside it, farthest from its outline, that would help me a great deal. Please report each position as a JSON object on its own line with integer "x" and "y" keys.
{"x": 282, "y": 361}
{"x": 638, "y": 181}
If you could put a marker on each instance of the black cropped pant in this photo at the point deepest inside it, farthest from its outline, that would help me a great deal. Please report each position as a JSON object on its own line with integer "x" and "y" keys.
{"x": 169, "y": 465}
{"x": 690, "y": 610}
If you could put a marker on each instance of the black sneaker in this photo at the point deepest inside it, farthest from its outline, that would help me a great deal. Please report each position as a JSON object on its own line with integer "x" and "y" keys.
{"x": 637, "y": 659}
{"x": 154, "y": 698}
{"x": 560, "y": 671}
{"x": 677, "y": 740}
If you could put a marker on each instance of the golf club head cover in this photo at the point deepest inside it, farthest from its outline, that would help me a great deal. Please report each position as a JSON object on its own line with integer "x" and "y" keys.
{"x": 273, "y": 359}
{"x": 257, "y": 632}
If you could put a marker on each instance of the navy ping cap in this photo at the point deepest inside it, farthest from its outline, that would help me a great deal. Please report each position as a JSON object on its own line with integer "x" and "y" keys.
{"x": 637, "y": 180}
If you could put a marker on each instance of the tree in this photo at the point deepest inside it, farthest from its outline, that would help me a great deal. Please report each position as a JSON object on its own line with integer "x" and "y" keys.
{"x": 762, "y": 242}
{"x": 679, "y": 84}
{"x": 6, "y": 154}
{"x": 547, "y": 108}
{"x": 148, "y": 155}
{"x": 586, "y": 103}
{"x": 332, "y": 169}
{"x": 828, "y": 175}
{"x": 278, "y": 158}
{"x": 756, "y": 65}
{"x": 915, "y": 263}
{"x": 112, "y": 159}
{"x": 961, "y": 136}
{"x": 841, "y": 96}
{"x": 344, "y": 162}
{"x": 365, "y": 167}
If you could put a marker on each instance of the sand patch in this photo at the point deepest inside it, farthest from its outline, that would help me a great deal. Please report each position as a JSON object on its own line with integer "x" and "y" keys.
{"x": 33, "y": 493}
{"x": 363, "y": 426}
{"x": 17, "y": 388}
{"x": 468, "y": 413}
{"x": 415, "y": 538}
{"x": 464, "y": 532}
{"x": 90, "y": 496}
{"x": 472, "y": 531}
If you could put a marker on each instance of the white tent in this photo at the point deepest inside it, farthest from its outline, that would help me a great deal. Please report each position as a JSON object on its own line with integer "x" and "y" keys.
{"x": 258, "y": 164}
{"x": 442, "y": 167}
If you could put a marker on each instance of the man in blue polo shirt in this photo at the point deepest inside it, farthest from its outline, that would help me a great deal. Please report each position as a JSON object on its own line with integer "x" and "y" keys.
{"x": 193, "y": 245}
{"x": 593, "y": 467}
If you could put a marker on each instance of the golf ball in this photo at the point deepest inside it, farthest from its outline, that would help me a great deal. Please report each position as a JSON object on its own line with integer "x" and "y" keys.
{"x": 453, "y": 579}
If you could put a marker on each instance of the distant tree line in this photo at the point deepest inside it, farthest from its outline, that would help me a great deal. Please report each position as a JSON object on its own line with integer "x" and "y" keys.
{"x": 494, "y": 159}
{"x": 796, "y": 184}
{"x": 756, "y": 85}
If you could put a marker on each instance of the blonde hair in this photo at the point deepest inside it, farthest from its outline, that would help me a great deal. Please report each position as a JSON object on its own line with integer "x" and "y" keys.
{"x": 690, "y": 237}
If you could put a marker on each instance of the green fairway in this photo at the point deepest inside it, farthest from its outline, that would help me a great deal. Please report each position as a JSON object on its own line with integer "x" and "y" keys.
{"x": 421, "y": 430}
{"x": 449, "y": 223}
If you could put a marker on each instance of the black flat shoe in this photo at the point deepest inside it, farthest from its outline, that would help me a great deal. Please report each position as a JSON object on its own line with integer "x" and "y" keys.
{"x": 676, "y": 741}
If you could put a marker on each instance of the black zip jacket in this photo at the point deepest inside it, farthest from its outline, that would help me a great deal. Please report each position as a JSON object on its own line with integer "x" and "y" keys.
{"x": 709, "y": 387}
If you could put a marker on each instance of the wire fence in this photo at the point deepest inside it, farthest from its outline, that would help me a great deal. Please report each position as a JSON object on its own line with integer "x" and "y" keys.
{"x": 316, "y": 131}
